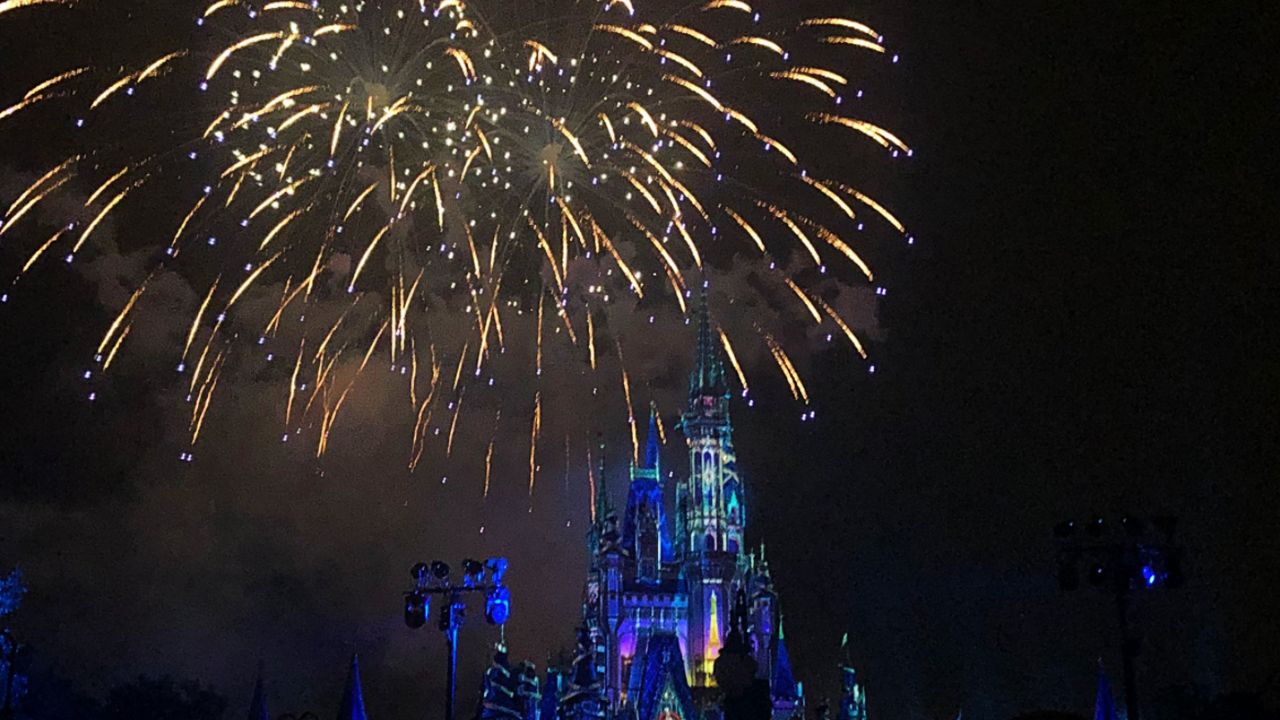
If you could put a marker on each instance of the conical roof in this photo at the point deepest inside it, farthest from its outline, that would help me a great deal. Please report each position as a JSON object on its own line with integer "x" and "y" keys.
{"x": 352, "y": 707}
{"x": 707, "y": 378}
{"x": 783, "y": 683}
{"x": 1104, "y": 705}
{"x": 653, "y": 446}
{"x": 258, "y": 705}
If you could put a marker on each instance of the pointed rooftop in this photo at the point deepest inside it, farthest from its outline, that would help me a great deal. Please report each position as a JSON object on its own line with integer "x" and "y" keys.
{"x": 258, "y": 705}
{"x": 653, "y": 446}
{"x": 707, "y": 378}
{"x": 1104, "y": 705}
{"x": 352, "y": 707}
{"x": 603, "y": 506}
{"x": 783, "y": 683}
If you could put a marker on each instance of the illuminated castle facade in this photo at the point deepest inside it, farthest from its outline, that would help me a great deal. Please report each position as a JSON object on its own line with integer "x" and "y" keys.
{"x": 662, "y": 586}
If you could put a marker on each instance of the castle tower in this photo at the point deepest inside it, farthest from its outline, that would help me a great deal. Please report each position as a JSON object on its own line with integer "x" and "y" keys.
{"x": 713, "y": 510}
{"x": 657, "y": 601}
{"x": 709, "y": 502}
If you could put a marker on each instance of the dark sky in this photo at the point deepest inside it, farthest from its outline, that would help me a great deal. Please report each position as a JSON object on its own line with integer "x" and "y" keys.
{"x": 1087, "y": 326}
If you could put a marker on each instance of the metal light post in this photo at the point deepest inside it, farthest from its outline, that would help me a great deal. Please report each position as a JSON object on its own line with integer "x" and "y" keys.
{"x": 1121, "y": 563}
{"x": 434, "y": 579}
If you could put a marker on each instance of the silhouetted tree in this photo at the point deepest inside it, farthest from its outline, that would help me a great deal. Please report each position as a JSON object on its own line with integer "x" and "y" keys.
{"x": 1195, "y": 703}
{"x": 1181, "y": 702}
{"x": 53, "y": 696}
{"x": 163, "y": 699}
{"x": 13, "y": 684}
{"x": 1239, "y": 706}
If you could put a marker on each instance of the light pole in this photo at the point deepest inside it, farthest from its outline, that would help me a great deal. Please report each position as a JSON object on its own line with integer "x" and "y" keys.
{"x": 434, "y": 579}
{"x": 1121, "y": 562}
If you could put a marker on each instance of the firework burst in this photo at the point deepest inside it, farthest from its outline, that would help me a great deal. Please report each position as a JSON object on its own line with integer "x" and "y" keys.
{"x": 458, "y": 164}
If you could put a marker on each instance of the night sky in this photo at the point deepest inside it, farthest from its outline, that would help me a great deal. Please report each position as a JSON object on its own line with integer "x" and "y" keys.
{"x": 1086, "y": 325}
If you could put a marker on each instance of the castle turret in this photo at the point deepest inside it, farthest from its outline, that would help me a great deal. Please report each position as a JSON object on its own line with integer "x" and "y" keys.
{"x": 710, "y": 502}
{"x": 644, "y": 527}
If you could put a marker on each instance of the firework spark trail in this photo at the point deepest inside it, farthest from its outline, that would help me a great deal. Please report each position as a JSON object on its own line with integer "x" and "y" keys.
{"x": 370, "y": 146}
{"x": 453, "y": 424}
{"x": 488, "y": 456}
{"x": 631, "y": 413}
{"x": 535, "y": 429}
{"x": 8, "y": 5}
{"x": 591, "y": 337}
{"x": 35, "y": 256}
{"x": 733, "y": 360}
{"x": 804, "y": 298}
{"x": 591, "y": 482}
{"x": 798, "y": 389}
{"x": 657, "y": 417}
{"x": 488, "y": 466}
{"x": 844, "y": 327}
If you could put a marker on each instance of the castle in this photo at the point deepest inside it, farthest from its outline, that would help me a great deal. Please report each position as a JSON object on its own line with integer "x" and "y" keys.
{"x": 659, "y": 595}
{"x": 664, "y": 601}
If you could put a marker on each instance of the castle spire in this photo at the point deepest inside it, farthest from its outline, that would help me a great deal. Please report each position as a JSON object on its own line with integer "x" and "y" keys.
{"x": 653, "y": 447}
{"x": 707, "y": 378}
{"x": 714, "y": 644}
{"x": 352, "y": 707}
{"x": 258, "y": 706}
{"x": 1104, "y": 706}
{"x": 783, "y": 683}
{"x": 602, "y": 484}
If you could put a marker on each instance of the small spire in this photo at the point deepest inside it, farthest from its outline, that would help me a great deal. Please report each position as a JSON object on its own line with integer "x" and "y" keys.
{"x": 602, "y": 483}
{"x": 652, "y": 448}
{"x": 1104, "y": 706}
{"x": 783, "y": 683}
{"x": 352, "y": 707}
{"x": 258, "y": 706}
